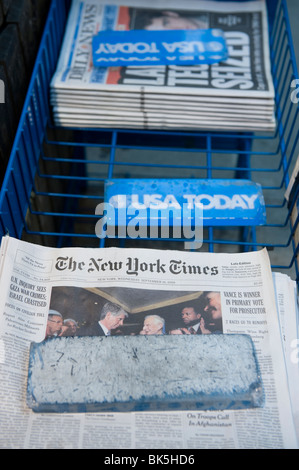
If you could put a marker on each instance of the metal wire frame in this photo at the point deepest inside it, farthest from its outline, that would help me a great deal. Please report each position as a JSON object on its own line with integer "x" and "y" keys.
{"x": 48, "y": 175}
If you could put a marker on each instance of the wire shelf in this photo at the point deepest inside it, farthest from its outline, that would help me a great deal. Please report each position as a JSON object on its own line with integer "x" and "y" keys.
{"x": 55, "y": 176}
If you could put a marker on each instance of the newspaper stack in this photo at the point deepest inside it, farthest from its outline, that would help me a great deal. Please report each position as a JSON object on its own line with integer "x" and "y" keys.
{"x": 41, "y": 287}
{"x": 235, "y": 94}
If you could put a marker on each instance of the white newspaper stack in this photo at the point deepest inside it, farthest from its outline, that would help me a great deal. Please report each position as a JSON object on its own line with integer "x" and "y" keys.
{"x": 236, "y": 94}
{"x": 235, "y": 294}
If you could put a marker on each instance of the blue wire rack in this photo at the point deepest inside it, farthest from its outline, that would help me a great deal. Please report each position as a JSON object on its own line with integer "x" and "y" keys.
{"x": 55, "y": 176}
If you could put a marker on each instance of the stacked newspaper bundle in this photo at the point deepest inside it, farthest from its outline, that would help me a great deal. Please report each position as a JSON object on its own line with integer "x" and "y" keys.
{"x": 234, "y": 94}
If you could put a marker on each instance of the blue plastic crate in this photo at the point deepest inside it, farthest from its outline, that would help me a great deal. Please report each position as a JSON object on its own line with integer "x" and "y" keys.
{"x": 55, "y": 177}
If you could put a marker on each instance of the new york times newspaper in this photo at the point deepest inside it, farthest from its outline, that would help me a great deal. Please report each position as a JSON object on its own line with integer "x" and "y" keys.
{"x": 48, "y": 292}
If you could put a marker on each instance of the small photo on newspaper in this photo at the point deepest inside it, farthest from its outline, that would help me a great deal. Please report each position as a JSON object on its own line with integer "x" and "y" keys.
{"x": 76, "y": 311}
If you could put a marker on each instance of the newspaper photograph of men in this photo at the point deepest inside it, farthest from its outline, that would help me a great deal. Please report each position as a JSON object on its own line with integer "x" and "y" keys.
{"x": 76, "y": 311}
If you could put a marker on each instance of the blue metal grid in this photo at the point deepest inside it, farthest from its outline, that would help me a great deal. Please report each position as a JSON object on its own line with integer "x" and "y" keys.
{"x": 55, "y": 176}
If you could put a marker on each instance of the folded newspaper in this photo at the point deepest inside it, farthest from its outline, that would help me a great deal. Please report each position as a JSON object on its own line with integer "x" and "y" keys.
{"x": 232, "y": 94}
{"x": 51, "y": 298}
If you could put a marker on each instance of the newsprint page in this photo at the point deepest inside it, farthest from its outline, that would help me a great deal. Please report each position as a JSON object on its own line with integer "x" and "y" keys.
{"x": 235, "y": 93}
{"x": 76, "y": 281}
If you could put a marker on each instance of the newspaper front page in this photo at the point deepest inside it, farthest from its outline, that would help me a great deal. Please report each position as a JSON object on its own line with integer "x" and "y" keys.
{"x": 245, "y": 75}
{"x": 76, "y": 281}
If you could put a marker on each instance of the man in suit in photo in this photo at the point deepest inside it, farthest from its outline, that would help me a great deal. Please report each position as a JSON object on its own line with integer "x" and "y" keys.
{"x": 194, "y": 323}
{"x": 204, "y": 320}
{"x": 112, "y": 316}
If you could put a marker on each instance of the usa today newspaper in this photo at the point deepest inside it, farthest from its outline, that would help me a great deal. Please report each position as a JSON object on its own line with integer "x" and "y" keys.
{"x": 49, "y": 292}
